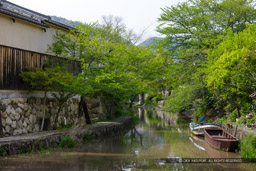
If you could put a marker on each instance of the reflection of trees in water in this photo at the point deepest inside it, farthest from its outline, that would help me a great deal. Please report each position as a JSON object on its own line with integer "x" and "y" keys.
{"x": 134, "y": 132}
{"x": 161, "y": 119}
{"x": 141, "y": 114}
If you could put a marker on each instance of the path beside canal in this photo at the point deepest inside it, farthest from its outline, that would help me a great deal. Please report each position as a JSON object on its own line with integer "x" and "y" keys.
{"x": 34, "y": 141}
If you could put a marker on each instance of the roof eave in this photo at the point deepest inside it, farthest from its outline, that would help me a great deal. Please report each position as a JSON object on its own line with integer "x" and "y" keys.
{"x": 18, "y": 16}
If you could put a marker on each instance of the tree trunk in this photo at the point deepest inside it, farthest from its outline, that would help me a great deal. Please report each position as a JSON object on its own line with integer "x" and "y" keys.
{"x": 132, "y": 100}
{"x": 238, "y": 112}
{"x": 80, "y": 108}
{"x": 43, "y": 118}
{"x": 141, "y": 99}
{"x": 1, "y": 126}
{"x": 56, "y": 117}
{"x": 85, "y": 109}
{"x": 2, "y": 109}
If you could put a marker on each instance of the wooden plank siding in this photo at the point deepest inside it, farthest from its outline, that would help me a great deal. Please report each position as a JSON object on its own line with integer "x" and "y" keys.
{"x": 13, "y": 61}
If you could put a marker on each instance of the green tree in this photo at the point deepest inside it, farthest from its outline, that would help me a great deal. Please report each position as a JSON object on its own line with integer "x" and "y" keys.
{"x": 231, "y": 71}
{"x": 38, "y": 79}
{"x": 112, "y": 66}
{"x": 191, "y": 28}
{"x": 51, "y": 79}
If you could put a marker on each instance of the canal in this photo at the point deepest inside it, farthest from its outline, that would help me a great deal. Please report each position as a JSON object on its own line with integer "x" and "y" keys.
{"x": 159, "y": 142}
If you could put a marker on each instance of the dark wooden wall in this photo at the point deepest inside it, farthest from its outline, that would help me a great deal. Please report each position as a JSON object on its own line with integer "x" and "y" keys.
{"x": 13, "y": 61}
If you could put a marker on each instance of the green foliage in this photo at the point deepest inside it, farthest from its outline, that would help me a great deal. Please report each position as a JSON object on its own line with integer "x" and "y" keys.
{"x": 242, "y": 120}
{"x": 250, "y": 121}
{"x": 248, "y": 147}
{"x": 183, "y": 97}
{"x": 232, "y": 116}
{"x": 231, "y": 69}
{"x": 135, "y": 121}
{"x": 211, "y": 53}
{"x": 202, "y": 107}
{"x": 87, "y": 138}
{"x": 38, "y": 78}
{"x": 67, "y": 142}
{"x": 221, "y": 121}
{"x": 52, "y": 78}
{"x": 67, "y": 126}
{"x": 113, "y": 67}
{"x": 2, "y": 152}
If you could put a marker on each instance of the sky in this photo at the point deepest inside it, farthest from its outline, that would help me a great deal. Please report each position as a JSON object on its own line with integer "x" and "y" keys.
{"x": 138, "y": 15}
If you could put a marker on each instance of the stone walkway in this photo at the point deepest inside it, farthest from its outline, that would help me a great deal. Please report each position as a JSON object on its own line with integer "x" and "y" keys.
{"x": 31, "y": 136}
{"x": 16, "y": 144}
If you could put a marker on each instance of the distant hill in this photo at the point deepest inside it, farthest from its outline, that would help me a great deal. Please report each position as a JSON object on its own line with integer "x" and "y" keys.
{"x": 64, "y": 21}
{"x": 150, "y": 41}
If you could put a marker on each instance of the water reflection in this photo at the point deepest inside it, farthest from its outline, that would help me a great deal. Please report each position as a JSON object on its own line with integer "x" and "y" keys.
{"x": 151, "y": 145}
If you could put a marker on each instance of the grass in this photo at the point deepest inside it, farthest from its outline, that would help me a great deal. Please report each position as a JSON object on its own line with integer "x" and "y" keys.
{"x": 68, "y": 142}
{"x": 248, "y": 147}
{"x": 67, "y": 126}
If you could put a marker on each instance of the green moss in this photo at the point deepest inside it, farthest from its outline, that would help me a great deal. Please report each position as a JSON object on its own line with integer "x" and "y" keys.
{"x": 67, "y": 142}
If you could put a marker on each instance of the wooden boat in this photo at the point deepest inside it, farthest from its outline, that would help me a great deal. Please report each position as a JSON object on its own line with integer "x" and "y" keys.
{"x": 220, "y": 139}
{"x": 198, "y": 129}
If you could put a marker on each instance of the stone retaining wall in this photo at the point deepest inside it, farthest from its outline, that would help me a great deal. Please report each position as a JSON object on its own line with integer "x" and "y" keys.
{"x": 24, "y": 115}
{"x": 31, "y": 142}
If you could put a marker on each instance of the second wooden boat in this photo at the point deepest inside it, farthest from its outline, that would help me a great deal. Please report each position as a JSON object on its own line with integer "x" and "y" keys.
{"x": 220, "y": 139}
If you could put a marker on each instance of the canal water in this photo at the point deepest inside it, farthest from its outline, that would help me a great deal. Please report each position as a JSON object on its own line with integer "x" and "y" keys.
{"x": 159, "y": 142}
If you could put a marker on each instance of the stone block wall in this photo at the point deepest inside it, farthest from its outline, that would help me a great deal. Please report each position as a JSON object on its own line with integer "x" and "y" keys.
{"x": 24, "y": 115}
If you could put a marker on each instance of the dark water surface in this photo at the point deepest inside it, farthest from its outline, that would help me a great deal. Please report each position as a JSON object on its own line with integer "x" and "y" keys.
{"x": 159, "y": 142}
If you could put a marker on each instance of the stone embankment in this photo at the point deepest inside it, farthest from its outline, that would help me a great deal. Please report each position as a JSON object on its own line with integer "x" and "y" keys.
{"x": 34, "y": 141}
{"x": 241, "y": 131}
{"x": 24, "y": 115}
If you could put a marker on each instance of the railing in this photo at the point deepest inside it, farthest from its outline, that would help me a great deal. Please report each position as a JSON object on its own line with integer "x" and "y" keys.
{"x": 13, "y": 61}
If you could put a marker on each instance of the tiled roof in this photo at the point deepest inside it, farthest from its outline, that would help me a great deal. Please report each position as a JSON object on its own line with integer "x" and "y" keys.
{"x": 28, "y": 15}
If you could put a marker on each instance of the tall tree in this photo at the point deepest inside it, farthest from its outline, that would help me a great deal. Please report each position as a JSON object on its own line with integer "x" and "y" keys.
{"x": 55, "y": 80}
{"x": 231, "y": 69}
{"x": 112, "y": 66}
{"x": 191, "y": 28}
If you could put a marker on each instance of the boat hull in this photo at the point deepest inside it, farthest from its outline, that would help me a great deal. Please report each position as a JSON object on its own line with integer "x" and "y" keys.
{"x": 221, "y": 140}
{"x": 198, "y": 130}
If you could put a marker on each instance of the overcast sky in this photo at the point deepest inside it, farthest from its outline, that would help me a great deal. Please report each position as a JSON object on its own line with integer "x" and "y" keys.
{"x": 136, "y": 14}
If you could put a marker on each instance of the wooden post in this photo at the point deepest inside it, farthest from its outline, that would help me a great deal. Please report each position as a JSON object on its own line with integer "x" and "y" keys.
{"x": 235, "y": 131}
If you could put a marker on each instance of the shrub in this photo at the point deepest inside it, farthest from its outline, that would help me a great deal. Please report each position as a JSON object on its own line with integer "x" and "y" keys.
{"x": 135, "y": 121}
{"x": 220, "y": 121}
{"x": 2, "y": 151}
{"x": 67, "y": 142}
{"x": 248, "y": 147}
{"x": 242, "y": 120}
{"x": 87, "y": 138}
{"x": 232, "y": 116}
{"x": 250, "y": 121}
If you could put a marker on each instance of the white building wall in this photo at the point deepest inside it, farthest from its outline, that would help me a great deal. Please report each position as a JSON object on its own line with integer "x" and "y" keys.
{"x": 25, "y": 35}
